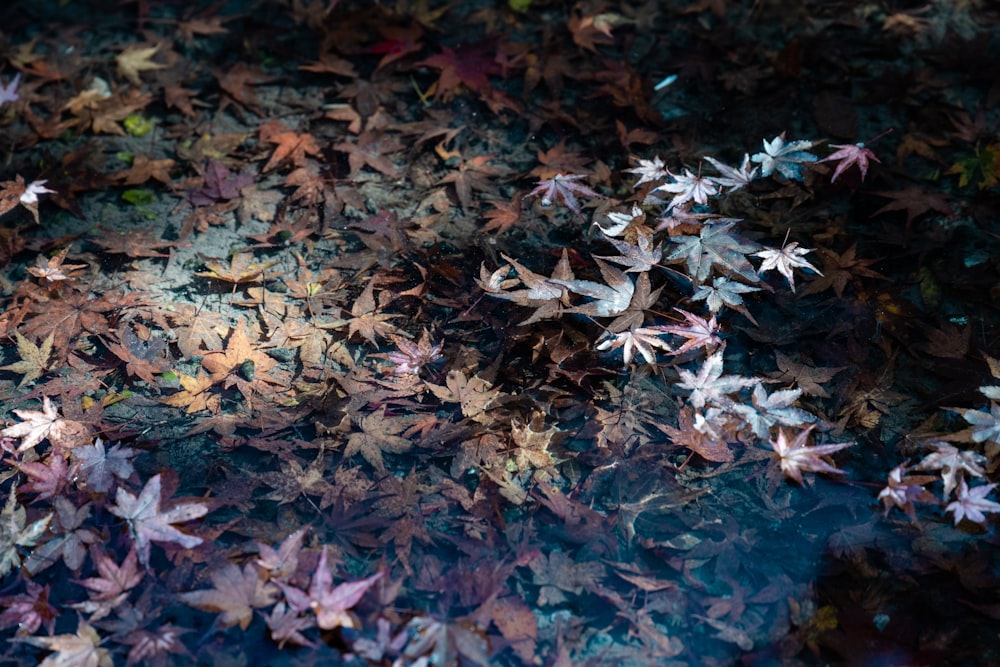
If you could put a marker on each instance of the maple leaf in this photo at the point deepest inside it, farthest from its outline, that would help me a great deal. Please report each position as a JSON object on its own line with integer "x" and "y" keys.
{"x": 281, "y": 563}
{"x": 643, "y": 298}
{"x": 17, "y": 192}
{"x": 148, "y": 523}
{"x": 503, "y": 215}
{"x": 53, "y": 269}
{"x": 469, "y": 65}
{"x": 785, "y": 158}
{"x": 48, "y": 477}
{"x": 34, "y": 358}
{"x": 236, "y": 82}
{"x": 710, "y": 385}
{"x": 591, "y": 29}
{"x": 982, "y": 167}
{"x": 135, "y": 59}
{"x": 447, "y": 642}
{"x": 649, "y": 171}
{"x": 44, "y": 425}
{"x": 808, "y": 378}
{"x": 699, "y": 332}
{"x": 331, "y": 604}
{"x": 114, "y": 580}
{"x": 474, "y": 394}
{"x": 545, "y": 295}
{"x": 705, "y": 434}
{"x": 411, "y": 357}
{"x": 724, "y": 292}
{"x": 563, "y": 187}
{"x": 80, "y": 650}
{"x": 220, "y": 185}
{"x": 768, "y": 410}
{"x": 286, "y": 625}
{"x": 473, "y": 174}
{"x": 291, "y": 146}
{"x": 986, "y": 425}
{"x": 370, "y": 149}
{"x": 904, "y": 490}
{"x": 790, "y": 255}
{"x": 714, "y": 245}
{"x": 612, "y": 298}
{"x": 243, "y": 268}
{"x": 70, "y": 540}
{"x": 850, "y": 154}
{"x": 915, "y": 201}
{"x": 368, "y": 320}
{"x": 638, "y": 339}
{"x": 99, "y": 466}
{"x": 616, "y": 223}
{"x": 133, "y": 243}
{"x": 795, "y": 457}
{"x": 733, "y": 178}
{"x": 16, "y": 532}
{"x": 194, "y": 395}
{"x": 953, "y": 463}
{"x": 235, "y": 593}
{"x": 379, "y": 433}
{"x": 688, "y": 187}
{"x": 640, "y": 256}
{"x": 150, "y": 647}
{"x": 27, "y": 611}
{"x": 972, "y": 504}
{"x": 243, "y": 363}
{"x": 839, "y": 269}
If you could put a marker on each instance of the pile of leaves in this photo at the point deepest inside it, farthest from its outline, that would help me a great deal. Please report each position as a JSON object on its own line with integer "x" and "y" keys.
{"x": 547, "y": 333}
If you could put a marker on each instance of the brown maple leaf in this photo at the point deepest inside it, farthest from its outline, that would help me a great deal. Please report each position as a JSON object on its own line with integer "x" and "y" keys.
{"x": 114, "y": 579}
{"x": 915, "y": 201}
{"x": 243, "y": 268}
{"x": 242, "y": 363}
{"x": 839, "y": 269}
{"x": 473, "y": 173}
{"x": 144, "y": 169}
{"x": 291, "y": 146}
{"x": 379, "y": 433}
{"x": 806, "y": 377}
{"x": 133, "y": 243}
{"x": 195, "y": 395}
{"x": 237, "y": 81}
{"x": 235, "y": 593}
{"x": 69, "y": 316}
{"x": 503, "y": 215}
{"x": 370, "y": 149}
{"x": 368, "y": 321}
{"x": 474, "y": 394}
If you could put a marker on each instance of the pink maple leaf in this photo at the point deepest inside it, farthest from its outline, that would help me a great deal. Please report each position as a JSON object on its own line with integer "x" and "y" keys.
{"x": 564, "y": 187}
{"x": 850, "y": 154}
{"x": 330, "y": 603}
{"x": 795, "y": 457}
{"x": 148, "y": 523}
{"x": 972, "y": 503}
